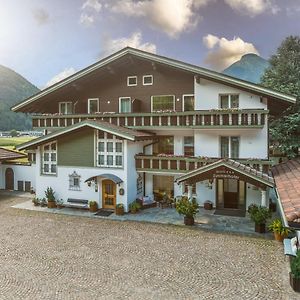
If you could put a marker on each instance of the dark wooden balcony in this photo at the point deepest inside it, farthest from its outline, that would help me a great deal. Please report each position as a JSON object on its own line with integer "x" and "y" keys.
{"x": 181, "y": 164}
{"x": 244, "y": 118}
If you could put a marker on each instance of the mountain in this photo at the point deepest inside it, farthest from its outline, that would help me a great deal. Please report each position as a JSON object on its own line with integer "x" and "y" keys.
{"x": 13, "y": 89}
{"x": 250, "y": 67}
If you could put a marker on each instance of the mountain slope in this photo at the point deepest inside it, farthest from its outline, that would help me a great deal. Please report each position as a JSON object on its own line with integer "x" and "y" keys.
{"x": 13, "y": 89}
{"x": 250, "y": 67}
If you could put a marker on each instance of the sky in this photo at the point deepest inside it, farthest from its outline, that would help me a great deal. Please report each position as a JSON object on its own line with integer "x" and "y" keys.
{"x": 45, "y": 41}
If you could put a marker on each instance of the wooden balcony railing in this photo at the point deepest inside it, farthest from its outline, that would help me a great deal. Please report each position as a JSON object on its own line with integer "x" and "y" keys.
{"x": 193, "y": 119}
{"x": 181, "y": 164}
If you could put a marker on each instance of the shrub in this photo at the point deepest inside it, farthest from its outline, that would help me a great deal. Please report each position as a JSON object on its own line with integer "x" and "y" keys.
{"x": 186, "y": 207}
{"x": 252, "y": 207}
{"x": 295, "y": 266}
{"x": 50, "y": 194}
{"x": 92, "y": 203}
{"x": 260, "y": 215}
{"x": 120, "y": 205}
{"x": 277, "y": 227}
{"x": 134, "y": 206}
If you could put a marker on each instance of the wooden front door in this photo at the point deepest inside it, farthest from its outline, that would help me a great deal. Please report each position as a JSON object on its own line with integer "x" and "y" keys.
{"x": 9, "y": 179}
{"x": 108, "y": 194}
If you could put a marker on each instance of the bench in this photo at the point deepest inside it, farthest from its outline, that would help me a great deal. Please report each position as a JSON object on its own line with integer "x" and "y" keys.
{"x": 291, "y": 246}
{"x": 77, "y": 203}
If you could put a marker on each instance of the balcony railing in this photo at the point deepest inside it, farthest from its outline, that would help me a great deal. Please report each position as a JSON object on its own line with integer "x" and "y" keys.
{"x": 194, "y": 119}
{"x": 181, "y": 164}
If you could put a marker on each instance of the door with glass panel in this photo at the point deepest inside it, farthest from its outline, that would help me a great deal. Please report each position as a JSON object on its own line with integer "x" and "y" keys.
{"x": 231, "y": 194}
{"x": 108, "y": 194}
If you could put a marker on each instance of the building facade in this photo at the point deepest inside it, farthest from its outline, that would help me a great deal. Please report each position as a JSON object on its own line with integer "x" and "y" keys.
{"x": 136, "y": 124}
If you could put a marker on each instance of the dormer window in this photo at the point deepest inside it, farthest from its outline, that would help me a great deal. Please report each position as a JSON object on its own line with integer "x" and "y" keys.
{"x": 131, "y": 80}
{"x": 147, "y": 80}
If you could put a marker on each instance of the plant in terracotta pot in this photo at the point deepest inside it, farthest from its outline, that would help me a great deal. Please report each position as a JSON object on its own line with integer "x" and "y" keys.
{"x": 187, "y": 208}
{"x": 50, "y": 196}
{"x": 259, "y": 216}
{"x": 93, "y": 206}
{"x": 43, "y": 202}
{"x": 60, "y": 203}
{"x": 295, "y": 273}
{"x": 36, "y": 201}
{"x": 134, "y": 207}
{"x": 280, "y": 232}
{"x": 120, "y": 209}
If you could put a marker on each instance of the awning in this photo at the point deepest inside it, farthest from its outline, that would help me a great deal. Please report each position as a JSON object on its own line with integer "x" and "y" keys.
{"x": 111, "y": 177}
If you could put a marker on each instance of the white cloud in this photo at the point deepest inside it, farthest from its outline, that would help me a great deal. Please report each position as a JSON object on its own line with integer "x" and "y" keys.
{"x": 253, "y": 7}
{"x": 169, "y": 16}
{"x": 92, "y": 4}
{"x": 135, "y": 41}
{"x": 90, "y": 8}
{"x": 60, "y": 76}
{"x": 41, "y": 16}
{"x": 225, "y": 52}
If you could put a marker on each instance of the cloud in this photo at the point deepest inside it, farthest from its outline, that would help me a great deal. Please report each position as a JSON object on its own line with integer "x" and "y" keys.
{"x": 169, "y": 16}
{"x": 90, "y": 8}
{"x": 41, "y": 16}
{"x": 223, "y": 52}
{"x": 253, "y": 7}
{"x": 135, "y": 41}
{"x": 60, "y": 76}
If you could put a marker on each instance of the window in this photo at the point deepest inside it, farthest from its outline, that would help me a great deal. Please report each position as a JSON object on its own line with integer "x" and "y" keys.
{"x": 188, "y": 146}
{"x": 193, "y": 188}
{"x": 230, "y": 145}
{"x": 32, "y": 157}
{"x": 147, "y": 80}
{"x": 93, "y": 105}
{"x": 110, "y": 151}
{"x": 229, "y": 101}
{"x": 163, "y": 185}
{"x": 188, "y": 102}
{"x": 165, "y": 145}
{"x": 131, "y": 80}
{"x": 125, "y": 105}
{"x": 74, "y": 181}
{"x": 162, "y": 103}
{"x": 65, "y": 108}
{"x": 49, "y": 158}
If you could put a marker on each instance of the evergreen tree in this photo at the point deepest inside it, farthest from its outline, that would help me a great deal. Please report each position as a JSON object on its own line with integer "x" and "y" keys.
{"x": 284, "y": 75}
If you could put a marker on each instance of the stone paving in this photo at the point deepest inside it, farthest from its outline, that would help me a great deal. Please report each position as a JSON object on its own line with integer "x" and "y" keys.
{"x": 54, "y": 256}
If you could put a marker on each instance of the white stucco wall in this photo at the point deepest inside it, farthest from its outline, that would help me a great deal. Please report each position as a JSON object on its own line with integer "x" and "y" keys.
{"x": 207, "y": 96}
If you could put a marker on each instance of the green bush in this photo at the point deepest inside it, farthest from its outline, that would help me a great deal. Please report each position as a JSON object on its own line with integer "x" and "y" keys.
{"x": 260, "y": 215}
{"x": 186, "y": 207}
{"x": 50, "y": 194}
{"x": 295, "y": 266}
{"x": 277, "y": 227}
{"x": 120, "y": 205}
{"x": 134, "y": 206}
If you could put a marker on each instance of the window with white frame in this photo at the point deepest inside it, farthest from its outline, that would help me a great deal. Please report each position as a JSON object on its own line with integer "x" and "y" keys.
{"x": 93, "y": 105}
{"x": 147, "y": 80}
{"x": 65, "y": 108}
{"x": 125, "y": 104}
{"x": 163, "y": 103}
{"x": 131, "y": 80}
{"x": 110, "y": 151}
{"x": 229, "y": 101}
{"x": 230, "y": 146}
{"x": 188, "y": 102}
{"x": 74, "y": 181}
{"x": 49, "y": 158}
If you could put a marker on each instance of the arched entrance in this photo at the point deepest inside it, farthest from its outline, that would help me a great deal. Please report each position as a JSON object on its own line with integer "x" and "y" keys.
{"x": 9, "y": 179}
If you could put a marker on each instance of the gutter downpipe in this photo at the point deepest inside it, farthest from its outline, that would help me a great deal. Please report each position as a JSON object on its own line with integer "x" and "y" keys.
{"x": 285, "y": 222}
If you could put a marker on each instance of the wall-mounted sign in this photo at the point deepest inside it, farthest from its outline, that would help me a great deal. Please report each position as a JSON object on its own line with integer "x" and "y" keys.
{"x": 225, "y": 173}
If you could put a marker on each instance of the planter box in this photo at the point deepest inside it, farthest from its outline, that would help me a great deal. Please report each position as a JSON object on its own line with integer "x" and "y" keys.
{"x": 51, "y": 204}
{"x": 208, "y": 205}
{"x": 260, "y": 228}
{"x": 119, "y": 211}
{"x": 295, "y": 283}
{"x": 94, "y": 208}
{"x": 189, "y": 221}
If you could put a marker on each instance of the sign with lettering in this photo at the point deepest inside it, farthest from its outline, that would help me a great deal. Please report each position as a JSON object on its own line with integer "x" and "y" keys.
{"x": 225, "y": 173}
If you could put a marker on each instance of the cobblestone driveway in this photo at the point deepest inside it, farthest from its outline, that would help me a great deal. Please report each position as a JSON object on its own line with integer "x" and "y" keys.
{"x": 46, "y": 256}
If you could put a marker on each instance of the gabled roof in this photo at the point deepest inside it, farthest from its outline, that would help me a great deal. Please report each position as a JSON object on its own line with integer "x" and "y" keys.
{"x": 287, "y": 179}
{"x": 6, "y": 154}
{"x": 247, "y": 171}
{"x": 126, "y": 133}
{"x": 202, "y": 72}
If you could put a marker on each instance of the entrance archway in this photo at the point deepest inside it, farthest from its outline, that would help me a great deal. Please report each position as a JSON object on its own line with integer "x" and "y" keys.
{"x": 9, "y": 179}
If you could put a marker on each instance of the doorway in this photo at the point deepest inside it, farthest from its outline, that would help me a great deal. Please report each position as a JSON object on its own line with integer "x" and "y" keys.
{"x": 9, "y": 179}
{"x": 108, "y": 194}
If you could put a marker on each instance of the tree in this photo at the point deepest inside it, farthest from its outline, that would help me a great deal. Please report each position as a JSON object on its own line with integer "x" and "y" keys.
{"x": 284, "y": 75}
{"x": 14, "y": 133}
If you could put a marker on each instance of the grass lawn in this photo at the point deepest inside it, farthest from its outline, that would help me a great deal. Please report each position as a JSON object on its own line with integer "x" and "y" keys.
{"x": 10, "y": 143}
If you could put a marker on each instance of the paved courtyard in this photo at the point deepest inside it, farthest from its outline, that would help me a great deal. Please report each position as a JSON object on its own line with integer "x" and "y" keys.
{"x": 53, "y": 256}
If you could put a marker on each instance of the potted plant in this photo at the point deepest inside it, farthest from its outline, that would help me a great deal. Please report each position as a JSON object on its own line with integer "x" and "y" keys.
{"x": 93, "y": 206}
{"x": 43, "y": 202}
{"x": 50, "y": 196}
{"x": 134, "y": 207}
{"x": 36, "y": 201}
{"x": 280, "y": 232}
{"x": 187, "y": 208}
{"x": 259, "y": 216}
{"x": 120, "y": 209}
{"x": 60, "y": 203}
{"x": 295, "y": 273}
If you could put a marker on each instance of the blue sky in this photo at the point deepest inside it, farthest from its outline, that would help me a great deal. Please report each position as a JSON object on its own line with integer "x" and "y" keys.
{"x": 47, "y": 40}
